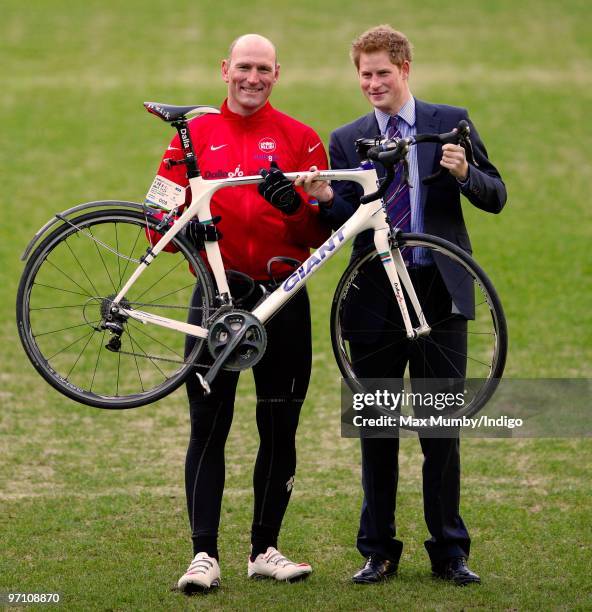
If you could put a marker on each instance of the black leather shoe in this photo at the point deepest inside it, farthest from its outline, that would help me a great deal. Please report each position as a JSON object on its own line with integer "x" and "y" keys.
{"x": 375, "y": 569}
{"x": 455, "y": 570}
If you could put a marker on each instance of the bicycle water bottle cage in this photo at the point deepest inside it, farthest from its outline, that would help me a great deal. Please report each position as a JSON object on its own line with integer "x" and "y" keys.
{"x": 170, "y": 113}
{"x": 242, "y": 286}
{"x": 275, "y": 280}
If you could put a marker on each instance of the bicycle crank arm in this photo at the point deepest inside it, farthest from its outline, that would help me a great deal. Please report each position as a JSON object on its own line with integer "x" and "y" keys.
{"x": 207, "y": 380}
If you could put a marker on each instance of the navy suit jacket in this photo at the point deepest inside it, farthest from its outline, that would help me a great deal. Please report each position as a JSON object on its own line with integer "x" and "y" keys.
{"x": 440, "y": 201}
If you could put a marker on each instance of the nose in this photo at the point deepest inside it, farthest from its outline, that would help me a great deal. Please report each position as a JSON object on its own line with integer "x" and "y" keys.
{"x": 374, "y": 82}
{"x": 253, "y": 76}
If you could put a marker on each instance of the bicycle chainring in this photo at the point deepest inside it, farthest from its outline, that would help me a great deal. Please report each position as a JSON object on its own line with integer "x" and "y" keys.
{"x": 251, "y": 348}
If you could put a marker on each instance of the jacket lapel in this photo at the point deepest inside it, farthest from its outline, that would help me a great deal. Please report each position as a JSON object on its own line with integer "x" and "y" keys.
{"x": 426, "y": 120}
{"x": 368, "y": 126}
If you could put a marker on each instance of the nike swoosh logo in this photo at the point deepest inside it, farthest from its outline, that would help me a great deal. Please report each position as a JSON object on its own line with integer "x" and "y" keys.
{"x": 169, "y": 148}
{"x": 311, "y": 149}
{"x": 213, "y": 148}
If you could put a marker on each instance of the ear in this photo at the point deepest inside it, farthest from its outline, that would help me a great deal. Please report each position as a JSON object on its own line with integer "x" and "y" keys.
{"x": 405, "y": 69}
{"x": 276, "y": 75}
{"x": 225, "y": 67}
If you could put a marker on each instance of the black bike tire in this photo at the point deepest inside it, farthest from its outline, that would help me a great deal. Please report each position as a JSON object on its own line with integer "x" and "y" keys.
{"x": 444, "y": 247}
{"x": 71, "y": 391}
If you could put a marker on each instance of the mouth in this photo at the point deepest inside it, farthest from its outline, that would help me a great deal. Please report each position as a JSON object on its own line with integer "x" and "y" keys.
{"x": 251, "y": 90}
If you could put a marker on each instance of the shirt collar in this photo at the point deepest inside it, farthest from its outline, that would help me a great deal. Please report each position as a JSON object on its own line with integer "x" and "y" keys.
{"x": 406, "y": 112}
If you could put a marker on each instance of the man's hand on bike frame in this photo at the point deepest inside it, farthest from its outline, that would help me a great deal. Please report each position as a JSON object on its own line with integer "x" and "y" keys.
{"x": 278, "y": 190}
{"x": 315, "y": 187}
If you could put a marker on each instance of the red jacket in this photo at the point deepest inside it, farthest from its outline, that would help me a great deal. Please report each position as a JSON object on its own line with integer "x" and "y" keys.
{"x": 253, "y": 230}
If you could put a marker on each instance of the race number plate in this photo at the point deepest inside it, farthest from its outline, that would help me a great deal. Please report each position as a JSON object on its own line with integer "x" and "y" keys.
{"x": 164, "y": 193}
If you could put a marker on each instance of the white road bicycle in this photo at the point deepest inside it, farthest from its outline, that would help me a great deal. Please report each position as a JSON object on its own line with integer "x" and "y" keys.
{"x": 104, "y": 319}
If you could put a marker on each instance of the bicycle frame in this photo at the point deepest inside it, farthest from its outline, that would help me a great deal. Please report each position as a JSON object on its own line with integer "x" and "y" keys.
{"x": 367, "y": 216}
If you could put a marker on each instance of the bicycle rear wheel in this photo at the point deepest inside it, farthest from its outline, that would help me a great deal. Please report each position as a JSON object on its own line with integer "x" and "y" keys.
{"x": 64, "y": 295}
{"x": 369, "y": 340}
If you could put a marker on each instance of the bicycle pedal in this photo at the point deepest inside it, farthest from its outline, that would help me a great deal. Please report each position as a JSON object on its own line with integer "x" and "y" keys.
{"x": 204, "y": 384}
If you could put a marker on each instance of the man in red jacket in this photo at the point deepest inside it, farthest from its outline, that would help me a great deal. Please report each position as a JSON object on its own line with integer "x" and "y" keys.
{"x": 248, "y": 135}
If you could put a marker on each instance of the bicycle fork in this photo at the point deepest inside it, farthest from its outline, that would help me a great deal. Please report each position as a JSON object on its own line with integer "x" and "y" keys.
{"x": 397, "y": 272}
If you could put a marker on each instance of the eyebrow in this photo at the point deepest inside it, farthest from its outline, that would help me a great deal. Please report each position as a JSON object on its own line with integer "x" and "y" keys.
{"x": 379, "y": 71}
{"x": 259, "y": 66}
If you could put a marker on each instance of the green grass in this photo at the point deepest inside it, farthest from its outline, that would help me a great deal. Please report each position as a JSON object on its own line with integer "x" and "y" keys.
{"x": 92, "y": 502}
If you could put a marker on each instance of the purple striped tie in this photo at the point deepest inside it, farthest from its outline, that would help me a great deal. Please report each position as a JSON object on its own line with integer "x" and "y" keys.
{"x": 397, "y": 200}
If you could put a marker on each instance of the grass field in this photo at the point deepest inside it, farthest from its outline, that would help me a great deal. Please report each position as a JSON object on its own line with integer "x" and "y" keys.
{"x": 92, "y": 503}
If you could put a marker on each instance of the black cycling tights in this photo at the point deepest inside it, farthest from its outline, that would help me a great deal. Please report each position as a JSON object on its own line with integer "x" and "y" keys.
{"x": 281, "y": 382}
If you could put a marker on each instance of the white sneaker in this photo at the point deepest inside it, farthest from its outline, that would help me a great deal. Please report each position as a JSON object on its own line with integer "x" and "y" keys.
{"x": 272, "y": 564}
{"x": 202, "y": 574}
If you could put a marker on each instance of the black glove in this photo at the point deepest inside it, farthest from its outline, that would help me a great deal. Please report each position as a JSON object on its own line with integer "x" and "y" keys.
{"x": 197, "y": 233}
{"x": 278, "y": 190}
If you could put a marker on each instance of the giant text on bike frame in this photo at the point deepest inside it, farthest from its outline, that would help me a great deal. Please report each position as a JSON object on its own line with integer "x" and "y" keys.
{"x": 322, "y": 253}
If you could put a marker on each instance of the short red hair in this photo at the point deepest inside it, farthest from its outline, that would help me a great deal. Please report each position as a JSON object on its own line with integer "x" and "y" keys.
{"x": 382, "y": 38}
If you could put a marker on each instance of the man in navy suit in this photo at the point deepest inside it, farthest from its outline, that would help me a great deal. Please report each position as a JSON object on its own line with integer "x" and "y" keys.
{"x": 382, "y": 57}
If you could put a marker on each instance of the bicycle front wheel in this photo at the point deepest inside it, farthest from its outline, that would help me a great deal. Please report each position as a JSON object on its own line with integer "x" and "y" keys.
{"x": 466, "y": 346}
{"x": 65, "y": 295}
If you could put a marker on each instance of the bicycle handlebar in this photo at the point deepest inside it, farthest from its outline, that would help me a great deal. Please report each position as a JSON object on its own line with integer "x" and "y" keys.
{"x": 390, "y": 152}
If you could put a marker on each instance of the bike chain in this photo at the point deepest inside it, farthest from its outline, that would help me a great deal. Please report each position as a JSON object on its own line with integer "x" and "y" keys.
{"x": 153, "y": 357}
{"x": 168, "y": 360}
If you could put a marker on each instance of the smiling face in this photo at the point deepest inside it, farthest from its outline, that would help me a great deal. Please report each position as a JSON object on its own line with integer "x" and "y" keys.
{"x": 385, "y": 84}
{"x": 251, "y": 72}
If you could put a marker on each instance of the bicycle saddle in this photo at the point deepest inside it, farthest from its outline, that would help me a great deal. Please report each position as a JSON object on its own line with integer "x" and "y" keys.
{"x": 169, "y": 113}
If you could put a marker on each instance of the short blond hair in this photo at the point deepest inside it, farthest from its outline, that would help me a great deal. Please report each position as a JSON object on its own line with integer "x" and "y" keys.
{"x": 382, "y": 38}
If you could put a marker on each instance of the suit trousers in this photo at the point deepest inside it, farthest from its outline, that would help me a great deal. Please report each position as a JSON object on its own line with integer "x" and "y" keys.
{"x": 385, "y": 358}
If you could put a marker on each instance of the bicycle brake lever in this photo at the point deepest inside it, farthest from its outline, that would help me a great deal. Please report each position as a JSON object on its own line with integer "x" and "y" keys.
{"x": 467, "y": 145}
{"x": 385, "y": 182}
{"x": 405, "y": 174}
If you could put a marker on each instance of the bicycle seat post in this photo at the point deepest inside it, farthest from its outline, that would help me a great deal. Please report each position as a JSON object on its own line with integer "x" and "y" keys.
{"x": 185, "y": 137}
